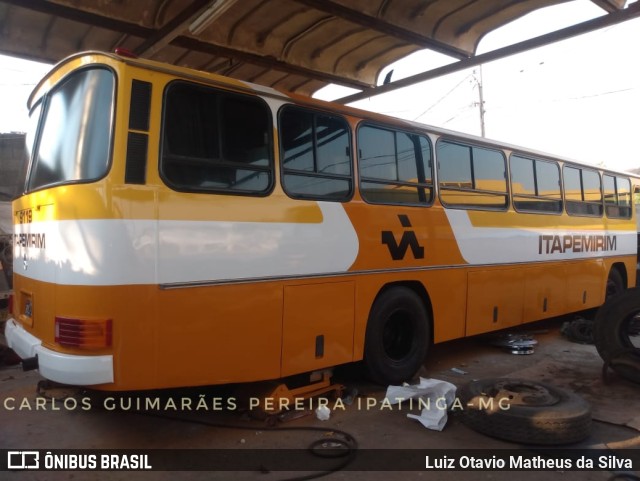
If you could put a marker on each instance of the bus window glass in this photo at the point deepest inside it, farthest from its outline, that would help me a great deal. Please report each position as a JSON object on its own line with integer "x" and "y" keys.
{"x": 30, "y": 138}
{"x": 522, "y": 179}
{"x": 617, "y": 196}
{"x": 316, "y": 159}
{"x": 454, "y": 165}
{"x": 333, "y": 146}
{"x": 244, "y": 131}
{"x": 215, "y": 141}
{"x": 377, "y": 153}
{"x": 548, "y": 180}
{"x": 297, "y": 146}
{"x": 624, "y": 191}
{"x": 583, "y": 191}
{"x": 535, "y": 185}
{"x": 471, "y": 176}
{"x": 395, "y": 166}
{"x": 572, "y": 185}
{"x": 591, "y": 186}
{"x": 489, "y": 170}
{"x": 407, "y": 166}
{"x": 83, "y": 104}
{"x": 609, "y": 187}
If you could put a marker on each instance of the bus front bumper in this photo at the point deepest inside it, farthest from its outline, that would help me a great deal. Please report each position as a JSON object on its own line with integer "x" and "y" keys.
{"x": 56, "y": 366}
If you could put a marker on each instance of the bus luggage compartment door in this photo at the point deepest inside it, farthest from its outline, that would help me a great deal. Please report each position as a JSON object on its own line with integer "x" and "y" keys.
{"x": 317, "y": 327}
{"x": 494, "y": 300}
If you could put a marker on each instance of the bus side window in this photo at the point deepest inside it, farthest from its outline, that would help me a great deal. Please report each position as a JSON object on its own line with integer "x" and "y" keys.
{"x": 315, "y": 155}
{"x": 471, "y": 177}
{"x": 535, "y": 185}
{"x": 582, "y": 191}
{"x": 395, "y": 166}
{"x": 215, "y": 141}
{"x": 617, "y": 197}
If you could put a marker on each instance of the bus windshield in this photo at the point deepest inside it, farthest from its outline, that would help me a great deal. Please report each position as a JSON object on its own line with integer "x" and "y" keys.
{"x": 75, "y": 130}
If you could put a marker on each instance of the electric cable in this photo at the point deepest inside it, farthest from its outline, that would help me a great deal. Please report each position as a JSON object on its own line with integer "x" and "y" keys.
{"x": 344, "y": 448}
{"x": 340, "y": 446}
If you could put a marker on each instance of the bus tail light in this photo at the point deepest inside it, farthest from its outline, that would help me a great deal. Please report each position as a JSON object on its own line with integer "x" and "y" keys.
{"x": 83, "y": 333}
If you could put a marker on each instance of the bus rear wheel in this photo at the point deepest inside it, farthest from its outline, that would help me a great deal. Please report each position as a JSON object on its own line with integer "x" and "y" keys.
{"x": 615, "y": 284}
{"x": 397, "y": 337}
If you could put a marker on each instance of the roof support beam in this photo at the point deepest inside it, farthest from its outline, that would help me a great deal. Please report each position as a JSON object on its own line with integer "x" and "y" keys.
{"x": 156, "y": 37}
{"x": 172, "y": 29}
{"x": 631, "y": 12}
{"x": 354, "y": 16}
{"x": 80, "y": 16}
{"x": 267, "y": 62}
{"x": 610, "y": 5}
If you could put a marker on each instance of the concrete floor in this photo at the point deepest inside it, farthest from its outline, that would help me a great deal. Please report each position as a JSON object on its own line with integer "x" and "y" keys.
{"x": 577, "y": 367}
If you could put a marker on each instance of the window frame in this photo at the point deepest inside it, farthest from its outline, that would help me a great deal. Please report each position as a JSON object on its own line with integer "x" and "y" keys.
{"x": 609, "y": 207}
{"x": 462, "y": 143}
{"x": 536, "y": 196}
{"x": 417, "y": 185}
{"x": 43, "y": 103}
{"x": 314, "y": 174}
{"x": 222, "y": 94}
{"x": 570, "y": 202}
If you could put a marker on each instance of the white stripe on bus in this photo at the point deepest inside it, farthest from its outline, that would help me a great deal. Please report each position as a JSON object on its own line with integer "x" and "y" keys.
{"x": 499, "y": 245}
{"x": 125, "y": 252}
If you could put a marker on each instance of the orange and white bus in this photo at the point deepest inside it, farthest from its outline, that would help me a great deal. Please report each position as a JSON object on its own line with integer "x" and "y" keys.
{"x": 179, "y": 228}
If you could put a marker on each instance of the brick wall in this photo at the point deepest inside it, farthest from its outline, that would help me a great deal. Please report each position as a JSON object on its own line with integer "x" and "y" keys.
{"x": 12, "y": 164}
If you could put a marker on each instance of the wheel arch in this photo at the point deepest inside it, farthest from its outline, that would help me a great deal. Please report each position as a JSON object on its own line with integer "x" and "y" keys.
{"x": 622, "y": 270}
{"x": 420, "y": 290}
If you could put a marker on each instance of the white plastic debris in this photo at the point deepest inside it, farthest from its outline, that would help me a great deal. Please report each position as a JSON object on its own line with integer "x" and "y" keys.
{"x": 435, "y": 397}
{"x": 323, "y": 413}
{"x": 458, "y": 371}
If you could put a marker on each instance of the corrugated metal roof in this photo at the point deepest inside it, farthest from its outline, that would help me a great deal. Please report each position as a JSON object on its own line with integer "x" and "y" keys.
{"x": 293, "y": 45}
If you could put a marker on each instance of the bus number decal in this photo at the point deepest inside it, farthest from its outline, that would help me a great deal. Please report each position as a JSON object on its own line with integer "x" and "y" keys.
{"x": 409, "y": 239}
{"x": 24, "y": 216}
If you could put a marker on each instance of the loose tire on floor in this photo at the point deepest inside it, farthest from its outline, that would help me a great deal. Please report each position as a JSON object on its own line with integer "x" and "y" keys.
{"x": 397, "y": 337}
{"x": 537, "y": 413}
{"x": 616, "y": 333}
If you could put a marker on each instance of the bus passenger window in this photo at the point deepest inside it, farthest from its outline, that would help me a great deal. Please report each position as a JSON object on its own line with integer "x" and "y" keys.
{"x": 582, "y": 191}
{"x": 215, "y": 141}
{"x": 617, "y": 196}
{"x": 395, "y": 167}
{"x": 471, "y": 177}
{"x": 315, "y": 155}
{"x": 535, "y": 185}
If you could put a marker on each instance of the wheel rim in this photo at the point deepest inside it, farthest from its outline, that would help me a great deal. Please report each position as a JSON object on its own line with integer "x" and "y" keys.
{"x": 630, "y": 330}
{"x": 398, "y": 335}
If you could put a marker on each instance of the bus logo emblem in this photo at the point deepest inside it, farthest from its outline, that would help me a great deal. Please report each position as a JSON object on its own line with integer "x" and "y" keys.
{"x": 408, "y": 240}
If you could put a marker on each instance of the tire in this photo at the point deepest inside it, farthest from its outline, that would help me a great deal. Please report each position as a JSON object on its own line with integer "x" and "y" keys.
{"x": 397, "y": 338}
{"x": 525, "y": 411}
{"x": 616, "y": 334}
{"x": 615, "y": 284}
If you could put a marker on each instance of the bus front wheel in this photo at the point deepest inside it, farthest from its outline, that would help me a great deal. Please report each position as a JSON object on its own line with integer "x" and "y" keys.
{"x": 397, "y": 336}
